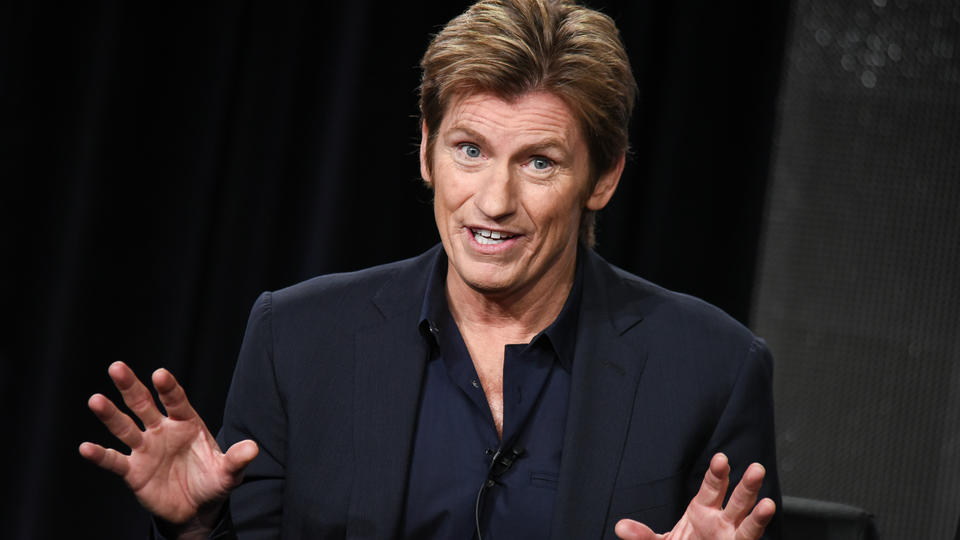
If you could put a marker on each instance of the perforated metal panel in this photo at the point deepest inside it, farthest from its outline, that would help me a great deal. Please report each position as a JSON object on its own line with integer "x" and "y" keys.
{"x": 859, "y": 279}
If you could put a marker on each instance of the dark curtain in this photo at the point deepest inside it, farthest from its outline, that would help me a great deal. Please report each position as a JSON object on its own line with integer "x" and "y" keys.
{"x": 163, "y": 163}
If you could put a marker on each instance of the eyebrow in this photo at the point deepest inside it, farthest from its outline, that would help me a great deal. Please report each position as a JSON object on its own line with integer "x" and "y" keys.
{"x": 546, "y": 144}
{"x": 471, "y": 134}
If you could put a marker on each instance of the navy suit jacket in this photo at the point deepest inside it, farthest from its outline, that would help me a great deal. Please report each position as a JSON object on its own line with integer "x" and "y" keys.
{"x": 328, "y": 382}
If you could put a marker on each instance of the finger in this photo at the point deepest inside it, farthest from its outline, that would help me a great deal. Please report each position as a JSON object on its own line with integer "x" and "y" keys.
{"x": 121, "y": 425}
{"x": 172, "y": 395}
{"x": 240, "y": 455}
{"x": 715, "y": 482}
{"x": 757, "y": 521}
{"x": 135, "y": 394}
{"x": 745, "y": 494}
{"x": 628, "y": 529}
{"x": 108, "y": 458}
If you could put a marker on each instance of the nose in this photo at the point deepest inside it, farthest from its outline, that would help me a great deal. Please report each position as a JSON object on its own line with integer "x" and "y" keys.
{"x": 496, "y": 196}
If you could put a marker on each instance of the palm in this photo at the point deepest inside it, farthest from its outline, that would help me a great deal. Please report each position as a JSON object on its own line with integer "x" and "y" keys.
{"x": 701, "y": 522}
{"x": 175, "y": 467}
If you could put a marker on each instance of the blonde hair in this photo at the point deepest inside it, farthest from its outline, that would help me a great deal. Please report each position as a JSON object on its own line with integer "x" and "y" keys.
{"x": 512, "y": 47}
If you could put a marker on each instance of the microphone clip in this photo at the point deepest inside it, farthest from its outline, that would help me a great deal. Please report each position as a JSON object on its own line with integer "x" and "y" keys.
{"x": 502, "y": 461}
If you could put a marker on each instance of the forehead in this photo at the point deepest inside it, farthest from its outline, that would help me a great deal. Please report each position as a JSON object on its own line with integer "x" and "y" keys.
{"x": 534, "y": 115}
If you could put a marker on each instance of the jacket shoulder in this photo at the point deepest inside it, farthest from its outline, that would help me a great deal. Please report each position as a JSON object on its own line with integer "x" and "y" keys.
{"x": 351, "y": 294}
{"x": 675, "y": 318}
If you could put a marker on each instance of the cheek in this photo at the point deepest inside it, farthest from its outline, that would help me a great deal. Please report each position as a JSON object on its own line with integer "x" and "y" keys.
{"x": 444, "y": 198}
{"x": 445, "y": 204}
{"x": 449, "y": 192}
{"x": 556, "y": 210}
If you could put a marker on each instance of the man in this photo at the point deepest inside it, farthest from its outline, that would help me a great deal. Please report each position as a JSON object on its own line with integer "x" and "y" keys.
{"x": 510, "y": 384}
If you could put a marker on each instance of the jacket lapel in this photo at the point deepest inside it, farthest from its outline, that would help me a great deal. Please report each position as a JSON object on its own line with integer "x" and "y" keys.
{"x": 606, "y": 370}
{"x": 390, "y": 358}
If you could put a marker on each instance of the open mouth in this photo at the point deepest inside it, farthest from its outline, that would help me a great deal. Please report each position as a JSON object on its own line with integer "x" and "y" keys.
{"x": 487, "y": 237}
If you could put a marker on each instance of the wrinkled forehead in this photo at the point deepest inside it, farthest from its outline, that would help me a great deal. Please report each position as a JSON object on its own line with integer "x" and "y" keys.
{"x": 534, "y": 115}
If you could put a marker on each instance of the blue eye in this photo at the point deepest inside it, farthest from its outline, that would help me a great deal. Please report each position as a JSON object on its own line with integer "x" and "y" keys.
{"x": 540, "y": 163}
{"x": 470, "y": 150}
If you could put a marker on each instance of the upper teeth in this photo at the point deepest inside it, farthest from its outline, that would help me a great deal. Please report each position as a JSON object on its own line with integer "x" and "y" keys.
{"x": 488, "y": 234}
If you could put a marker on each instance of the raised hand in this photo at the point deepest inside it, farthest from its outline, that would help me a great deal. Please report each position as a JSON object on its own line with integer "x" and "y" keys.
{"x": 706, "y": 518}
{"x": 175, "y": 467}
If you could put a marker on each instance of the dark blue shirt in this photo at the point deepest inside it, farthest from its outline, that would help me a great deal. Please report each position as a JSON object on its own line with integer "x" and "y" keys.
{"x": 456, "y": 438}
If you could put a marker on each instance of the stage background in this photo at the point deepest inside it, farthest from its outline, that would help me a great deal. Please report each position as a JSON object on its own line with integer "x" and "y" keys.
{"x": 858, "y": 291}
{"x": 164, "y": 164}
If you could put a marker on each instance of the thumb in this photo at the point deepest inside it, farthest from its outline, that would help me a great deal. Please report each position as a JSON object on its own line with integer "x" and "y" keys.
{"x": 628, "y": 529}
{"x": 240, "y": 455}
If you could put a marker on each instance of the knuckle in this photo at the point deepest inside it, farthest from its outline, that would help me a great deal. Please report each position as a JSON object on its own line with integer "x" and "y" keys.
{"x": 140, "y": 403}
{"x": 176, "y": 396}
{"x": 713, "y": 482}
{"x": 125, "y": 431}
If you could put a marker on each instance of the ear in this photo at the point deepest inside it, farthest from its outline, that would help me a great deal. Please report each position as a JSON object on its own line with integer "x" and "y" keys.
{"x": 424, "y": 164}
{"x": 606, "y": 185}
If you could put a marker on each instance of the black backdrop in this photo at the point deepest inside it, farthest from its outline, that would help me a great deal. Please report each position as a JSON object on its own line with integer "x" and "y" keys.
{"x": 162, "y": 164}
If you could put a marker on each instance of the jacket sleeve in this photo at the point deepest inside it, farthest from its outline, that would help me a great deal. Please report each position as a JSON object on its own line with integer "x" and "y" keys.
{"x": 745, "y": 431}
{"x": 255, "y": 410}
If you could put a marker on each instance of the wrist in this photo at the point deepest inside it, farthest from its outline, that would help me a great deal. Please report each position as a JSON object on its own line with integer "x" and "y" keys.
{"x": 198, "y": 527}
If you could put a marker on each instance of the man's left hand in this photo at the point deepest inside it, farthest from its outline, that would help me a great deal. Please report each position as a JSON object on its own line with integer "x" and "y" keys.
{"x": 706, "y": 518}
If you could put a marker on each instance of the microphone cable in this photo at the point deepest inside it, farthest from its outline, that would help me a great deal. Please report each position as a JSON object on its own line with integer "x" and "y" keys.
{"x": 501, "y": 463}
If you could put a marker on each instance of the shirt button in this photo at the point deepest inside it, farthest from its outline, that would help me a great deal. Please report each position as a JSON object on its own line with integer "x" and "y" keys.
{"x": 475, "y": 383}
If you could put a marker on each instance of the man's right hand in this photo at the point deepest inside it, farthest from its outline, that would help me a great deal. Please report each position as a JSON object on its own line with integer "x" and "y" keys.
{"x": 175, "y": 467}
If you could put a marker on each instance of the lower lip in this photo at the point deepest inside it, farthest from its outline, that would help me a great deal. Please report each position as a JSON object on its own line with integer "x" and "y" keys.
{"x": 489, "y": 249}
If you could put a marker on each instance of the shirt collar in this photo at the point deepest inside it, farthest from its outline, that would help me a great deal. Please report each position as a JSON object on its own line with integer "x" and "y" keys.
{"x": 561, "y": 335}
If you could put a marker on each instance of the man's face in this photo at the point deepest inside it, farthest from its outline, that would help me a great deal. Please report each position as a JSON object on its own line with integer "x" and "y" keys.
{"x": 510, "y": 184}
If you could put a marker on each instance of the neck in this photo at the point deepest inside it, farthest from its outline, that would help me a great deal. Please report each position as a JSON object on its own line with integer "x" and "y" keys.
{"x": 515, "y": 316}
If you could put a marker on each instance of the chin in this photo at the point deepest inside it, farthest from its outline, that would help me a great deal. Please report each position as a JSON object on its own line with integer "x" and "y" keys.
{"x": 485, "y": 283}
{"x": 488, "y": 286}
